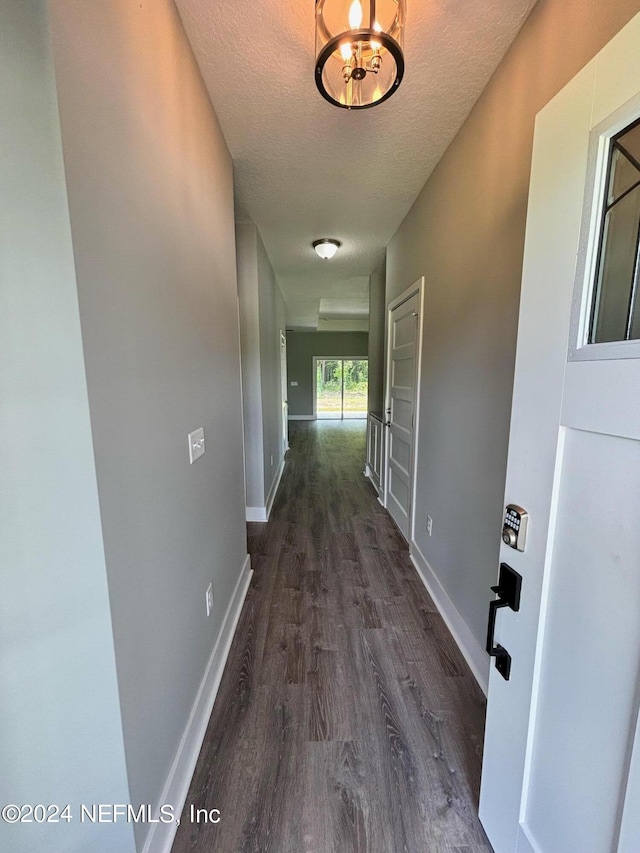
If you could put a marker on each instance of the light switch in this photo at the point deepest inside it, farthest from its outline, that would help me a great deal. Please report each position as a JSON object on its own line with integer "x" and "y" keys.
{"x": 294, "y": 384}
{"x": 196, "y": 445}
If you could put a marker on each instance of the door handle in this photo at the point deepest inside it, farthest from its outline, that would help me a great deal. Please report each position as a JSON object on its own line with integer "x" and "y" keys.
{"x": 508, "y": 592}
{"x": 502, "y": 656}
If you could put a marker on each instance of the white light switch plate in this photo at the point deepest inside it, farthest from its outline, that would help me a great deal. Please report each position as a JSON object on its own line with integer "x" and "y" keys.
{"x": 196, "y": 445}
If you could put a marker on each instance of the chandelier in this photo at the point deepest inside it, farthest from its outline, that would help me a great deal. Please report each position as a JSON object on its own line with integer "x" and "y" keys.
{"x": 359, "y": 60}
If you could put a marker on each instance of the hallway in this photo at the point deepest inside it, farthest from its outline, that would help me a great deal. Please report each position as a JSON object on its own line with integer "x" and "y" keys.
{"x": 346, "y": 719}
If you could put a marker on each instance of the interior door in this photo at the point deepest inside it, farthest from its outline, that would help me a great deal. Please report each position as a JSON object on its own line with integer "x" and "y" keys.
{"x": 284, "y": 392}
{"x": 401, "y": 382}
{"x": 561, "y": 770}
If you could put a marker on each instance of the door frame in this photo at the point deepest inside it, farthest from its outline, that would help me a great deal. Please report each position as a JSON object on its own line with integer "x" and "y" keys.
{"x": 418, "y": 287}
{"x": 316, "y": 359}
{"x": 284, "y": 392}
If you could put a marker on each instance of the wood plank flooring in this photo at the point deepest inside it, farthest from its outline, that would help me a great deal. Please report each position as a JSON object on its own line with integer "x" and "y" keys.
{"x": 346, "y": 721}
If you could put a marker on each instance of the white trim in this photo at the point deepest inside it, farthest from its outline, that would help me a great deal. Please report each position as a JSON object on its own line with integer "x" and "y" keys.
{"x": 256, "y": 513}
{"x": 273, "y": 491}
{"x": 302, "y": 417}
{"x": 406, "y": 294}
{"x": 161, "y": 835}
{"x": 471, "y": 649}
{"x": 592, "y": 213}
{"x": 525, "y": 842}
{"x": 262, "y": 513}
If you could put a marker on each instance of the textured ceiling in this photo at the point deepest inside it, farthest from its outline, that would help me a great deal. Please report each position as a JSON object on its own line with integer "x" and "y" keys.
{"x": 305, "y": 169}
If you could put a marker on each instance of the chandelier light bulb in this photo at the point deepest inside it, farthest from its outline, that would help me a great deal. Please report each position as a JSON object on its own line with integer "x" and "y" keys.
{"x": 355, "y": 15}
{"x": 345, "y": 50}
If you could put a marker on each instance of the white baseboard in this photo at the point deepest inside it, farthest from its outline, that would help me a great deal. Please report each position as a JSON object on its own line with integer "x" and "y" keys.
{"x": 161, "y": 835}
{"x": 262, "y": 513}
{"x": 274, "y": 488}
{"x": 302, "y": 417}
{"x": 471, "y": 649}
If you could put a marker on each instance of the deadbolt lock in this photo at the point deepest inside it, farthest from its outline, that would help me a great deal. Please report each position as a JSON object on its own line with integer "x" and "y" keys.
{"x": 509, "y": 537}
{"x": 514, "y": 527}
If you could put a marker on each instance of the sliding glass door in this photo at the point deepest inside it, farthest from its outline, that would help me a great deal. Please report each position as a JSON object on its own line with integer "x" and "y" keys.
{"x": 341, "y": 387}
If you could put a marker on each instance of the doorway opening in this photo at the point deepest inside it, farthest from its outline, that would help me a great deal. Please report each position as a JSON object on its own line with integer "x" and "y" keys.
{"x": 341, "y": 387}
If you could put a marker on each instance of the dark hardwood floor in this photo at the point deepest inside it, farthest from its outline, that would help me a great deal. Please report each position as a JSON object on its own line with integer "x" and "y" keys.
{"x": 346, "y": 720}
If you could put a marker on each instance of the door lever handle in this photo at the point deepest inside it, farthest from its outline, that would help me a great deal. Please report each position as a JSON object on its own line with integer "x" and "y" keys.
{"x": 503, "y": 658}
{"x": 508, "y": 592}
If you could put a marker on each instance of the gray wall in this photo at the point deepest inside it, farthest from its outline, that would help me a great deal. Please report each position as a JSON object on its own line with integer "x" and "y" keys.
{"x": 301, "y": 347}
{"x": 272, "y": 323}
{"x": 151, "y": 199}
{"x": 465, "y": 234}
{"x": 61, "y": 732}
{"x": 262, "y": 318}
{"x": 377, "y": 320}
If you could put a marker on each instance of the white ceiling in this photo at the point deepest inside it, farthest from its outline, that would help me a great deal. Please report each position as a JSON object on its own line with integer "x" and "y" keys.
{"x": 305, "y": 169}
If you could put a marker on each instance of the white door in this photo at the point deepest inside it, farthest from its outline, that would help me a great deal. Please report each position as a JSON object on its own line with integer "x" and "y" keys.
{"x": 402, "y": 375}
{"x": 284, "y": 393}
{"x": 561, "y": 770}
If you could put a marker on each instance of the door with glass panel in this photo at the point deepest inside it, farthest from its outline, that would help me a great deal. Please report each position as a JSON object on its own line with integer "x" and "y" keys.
{"x": 561, "y": 770}
{"x": 341, "y": 387}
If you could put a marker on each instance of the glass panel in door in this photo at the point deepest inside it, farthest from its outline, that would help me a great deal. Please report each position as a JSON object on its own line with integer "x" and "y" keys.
{"x": 355, "y": 375}
{"x": 329, "y": 388}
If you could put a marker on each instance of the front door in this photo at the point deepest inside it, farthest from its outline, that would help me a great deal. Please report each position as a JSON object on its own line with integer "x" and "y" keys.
{"x": 561, "y": 769}
{"x": 401, "y": 408}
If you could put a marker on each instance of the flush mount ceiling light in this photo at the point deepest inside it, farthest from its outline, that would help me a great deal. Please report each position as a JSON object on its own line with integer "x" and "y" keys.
{"x": 326, "y": 248}
{"x": 359, "y": 61}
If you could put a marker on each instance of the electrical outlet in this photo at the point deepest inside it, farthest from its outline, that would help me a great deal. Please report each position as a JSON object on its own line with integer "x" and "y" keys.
{"x": 272, "y": 460}
{"x": 209, "y": 598}
{"x": 429, "y": 525}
